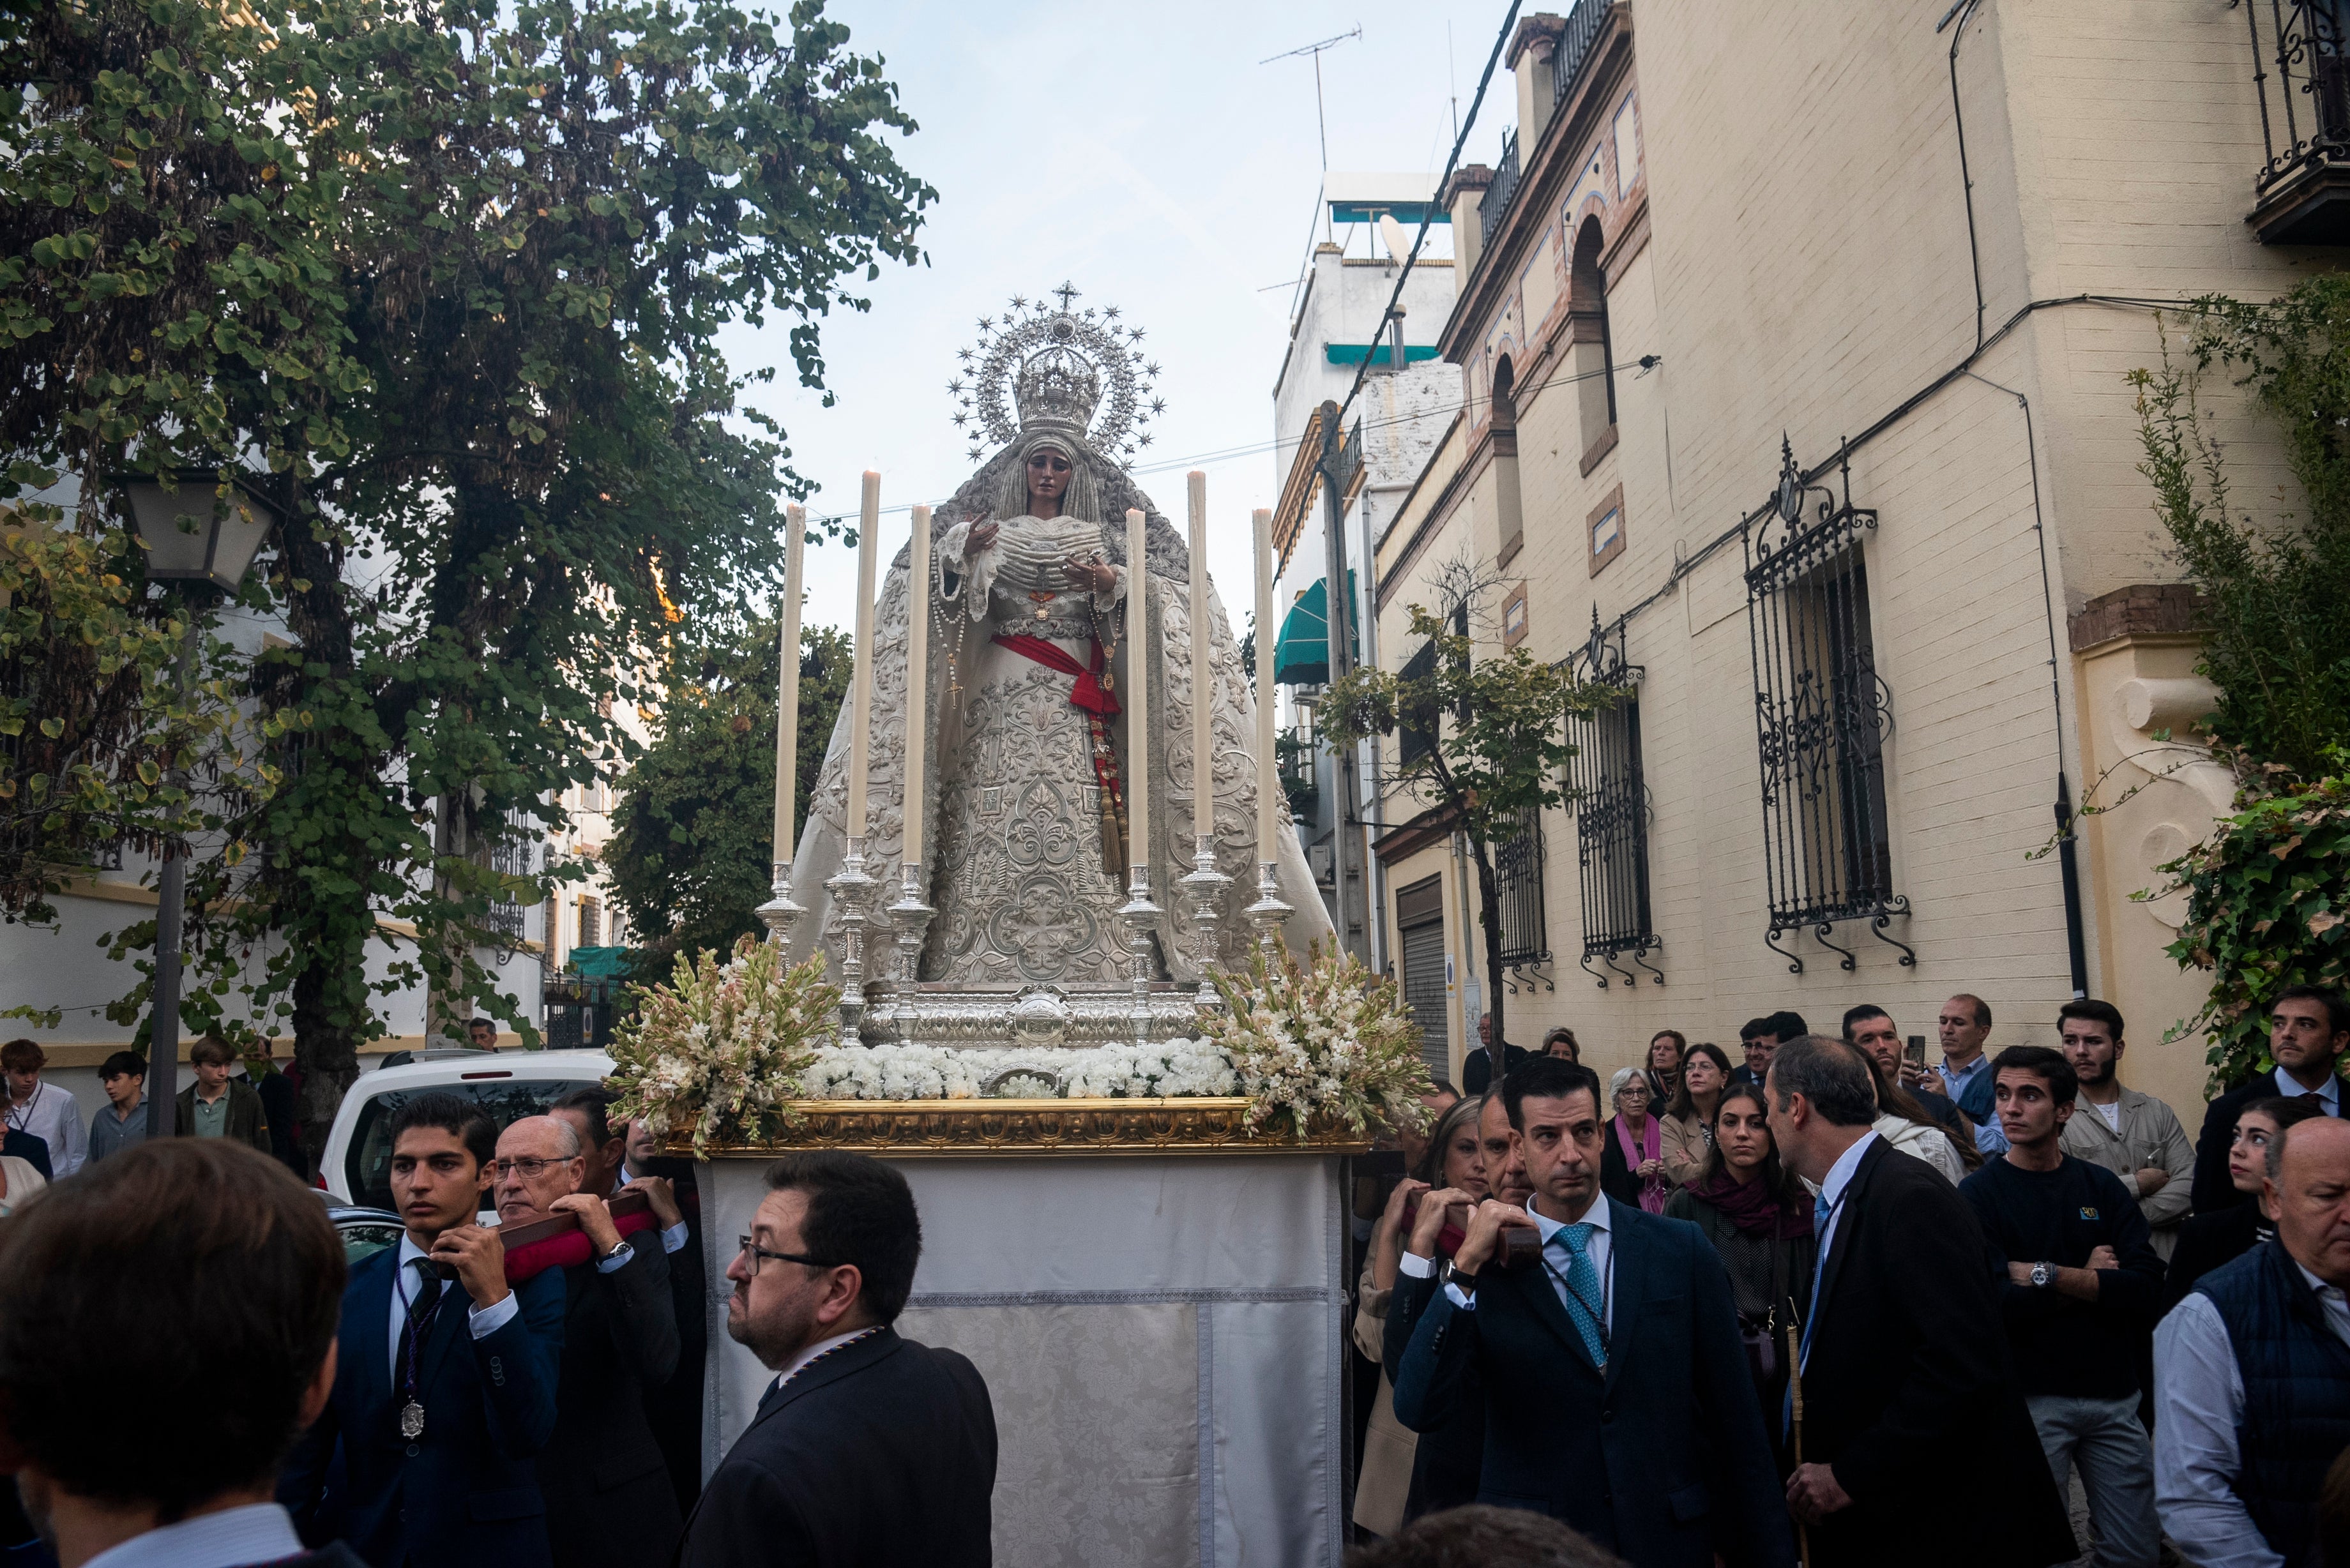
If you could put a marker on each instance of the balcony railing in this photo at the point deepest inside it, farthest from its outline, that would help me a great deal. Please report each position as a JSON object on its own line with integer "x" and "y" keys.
{"x": 1582, "y": 26}
{"x": 1501, "y": 191}
{"x": 2301, "y": 63}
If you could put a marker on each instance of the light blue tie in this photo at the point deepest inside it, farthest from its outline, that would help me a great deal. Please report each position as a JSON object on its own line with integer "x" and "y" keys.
{"x": 1583, "y": 1288}
{"x": 1821, "y": 1211}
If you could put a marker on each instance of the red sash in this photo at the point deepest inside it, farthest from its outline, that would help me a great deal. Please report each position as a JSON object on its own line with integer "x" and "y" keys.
{"x": 1087, "y": 692}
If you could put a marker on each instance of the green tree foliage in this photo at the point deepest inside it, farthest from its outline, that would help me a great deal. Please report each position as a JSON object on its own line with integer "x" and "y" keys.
{"x": 2265, "y": 889}
{"x": 688, "y": 855}
{"x": 2276, "y": 616}
{"x": 1499, "y": 731}
{"x": 2268, "y": 900}
{"x": 455, "y": 272}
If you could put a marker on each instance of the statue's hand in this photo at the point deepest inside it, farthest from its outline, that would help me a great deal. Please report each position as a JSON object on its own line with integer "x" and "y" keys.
{"x": 1091, "y": 573}
{"x": 982, "y": 535}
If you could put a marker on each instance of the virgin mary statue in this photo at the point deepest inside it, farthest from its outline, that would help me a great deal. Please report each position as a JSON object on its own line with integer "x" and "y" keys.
{"x": 1029, "y": 664}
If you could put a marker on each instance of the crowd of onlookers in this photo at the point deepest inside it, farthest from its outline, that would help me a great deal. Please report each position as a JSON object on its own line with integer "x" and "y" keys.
{"x": 2050, "y": 1263}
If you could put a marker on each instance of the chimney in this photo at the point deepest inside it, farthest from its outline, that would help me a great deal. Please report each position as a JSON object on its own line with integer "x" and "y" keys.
{"x": 1462, "y": 195}
{"x": 1534, "y": 50}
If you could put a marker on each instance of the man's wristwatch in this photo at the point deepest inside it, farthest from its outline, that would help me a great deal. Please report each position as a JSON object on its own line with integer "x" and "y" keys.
{"x": 2043, "y": 1274}
{"x": 1454, "y": 1275}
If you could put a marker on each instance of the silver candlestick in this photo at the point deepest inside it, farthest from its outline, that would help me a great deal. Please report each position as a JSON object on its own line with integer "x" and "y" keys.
{"x": 911, "y": 916}
{"x": 779, "y": 912}
{"x": 1268, "y": 913}
{"x": 1206, "y": 886}
{"x": 1141, "y": 918}
{"x": 852, "y": 890}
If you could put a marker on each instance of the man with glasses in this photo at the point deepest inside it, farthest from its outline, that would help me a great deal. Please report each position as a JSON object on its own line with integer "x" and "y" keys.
{"x": 444, "y": 1387}
{"x": 609, "y": 1503}
{"x": 867, "y": 1449}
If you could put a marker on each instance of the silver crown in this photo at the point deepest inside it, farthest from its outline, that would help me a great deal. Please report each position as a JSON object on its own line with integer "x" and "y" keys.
{"x": 1082, "y": 370}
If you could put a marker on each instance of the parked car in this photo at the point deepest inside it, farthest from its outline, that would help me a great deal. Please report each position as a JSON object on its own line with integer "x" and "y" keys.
{"x": 509, "y": 1085}
{"x": 364, "y": 1231}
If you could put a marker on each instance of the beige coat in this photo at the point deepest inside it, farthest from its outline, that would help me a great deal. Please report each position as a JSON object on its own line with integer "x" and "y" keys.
{"x": 23, "y": 1182}
{"x": 1683, "y": 1146}
{"x": 1388, "y": 1446}
{"x": 2150, "y": 1136}
{"x": 1931, "y": 1144}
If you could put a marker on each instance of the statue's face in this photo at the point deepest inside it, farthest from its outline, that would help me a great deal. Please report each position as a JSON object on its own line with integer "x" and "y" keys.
{"x": 1048, "y": 477}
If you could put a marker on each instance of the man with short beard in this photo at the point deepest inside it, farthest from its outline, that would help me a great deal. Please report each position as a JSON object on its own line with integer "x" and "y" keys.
{"x": 2135, "y": 1135}
{"x": 868, "y": 1451}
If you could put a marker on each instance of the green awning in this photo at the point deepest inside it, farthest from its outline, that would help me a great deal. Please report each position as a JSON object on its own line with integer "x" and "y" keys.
{"x": 1301, "y": 655}
{"x": 604, "y": 963}
{"x": 1356, "y": 353}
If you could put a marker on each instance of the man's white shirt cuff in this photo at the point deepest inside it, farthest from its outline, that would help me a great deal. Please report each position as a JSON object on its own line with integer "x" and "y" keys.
{"x": 1414, "y": 1266}
{"x": 486, "y": 1321}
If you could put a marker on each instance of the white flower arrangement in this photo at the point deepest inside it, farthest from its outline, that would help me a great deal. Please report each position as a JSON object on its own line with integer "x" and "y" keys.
{"x": 1323, "y": 1044}
{"x": 726, "y": 1050}
{"x": 722, "y": 1049}
{"x": 1162, "y": 1068}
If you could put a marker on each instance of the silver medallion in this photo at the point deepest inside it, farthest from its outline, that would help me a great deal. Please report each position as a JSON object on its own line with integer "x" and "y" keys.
{"x": 412, "y": 1420}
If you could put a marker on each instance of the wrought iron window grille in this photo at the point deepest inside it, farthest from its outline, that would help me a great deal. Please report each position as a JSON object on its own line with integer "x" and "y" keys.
{"x": 1518, "y": 881}
{"x": 510, "y": 858}
{"x": 1822, "y": 717}
{"x": 1607, "y": 793}
{"x": 2309, "y": 122}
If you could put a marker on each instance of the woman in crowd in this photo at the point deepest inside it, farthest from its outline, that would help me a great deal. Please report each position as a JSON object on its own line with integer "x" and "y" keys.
{"x": 1452, "y": 1159}
{"x": 18, "y": 1182}
{"x": 2208, "y": 1241}
{"x": 1755, "y": 1213}
{"x": 1665, "y": 1054}
{"x": 1902, "y": 1122}
{"x": 1560, "y": 1041}
{"x": 1688, "y": 1129}
{"x": 1631, "y": 1160}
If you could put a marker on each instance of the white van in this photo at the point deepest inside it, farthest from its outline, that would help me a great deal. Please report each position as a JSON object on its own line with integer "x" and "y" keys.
{"x": 509, "y": 1085}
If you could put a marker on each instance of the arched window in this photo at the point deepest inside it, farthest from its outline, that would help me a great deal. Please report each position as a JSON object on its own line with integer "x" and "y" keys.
{"x": 1593, "y": 357}
{"x": 1508, "y": 514}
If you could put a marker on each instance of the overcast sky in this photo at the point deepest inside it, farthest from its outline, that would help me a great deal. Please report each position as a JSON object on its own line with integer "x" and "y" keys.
{"x": 1142, "y": 154}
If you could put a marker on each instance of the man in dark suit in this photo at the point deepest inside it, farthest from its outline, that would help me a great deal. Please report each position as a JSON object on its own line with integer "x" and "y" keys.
{"x": 1477, "y": 1070}
{"x": 869, "y": 1450}
{"x": 2309, "y": 1028}
{"x": 1617, "y": 1396}
{"x": 444, "y": 1390}
{"x": 125, "y": 1442}
{"x": 675, "y": 1408}
{"x": 1903, "y": 1359}
{"x": 609, "y": 1500}
{"x": 1761, "y": 1037}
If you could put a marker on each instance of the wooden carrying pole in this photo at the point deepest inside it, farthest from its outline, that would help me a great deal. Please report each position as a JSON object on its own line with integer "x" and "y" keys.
{"x": 1795, "y": 1431}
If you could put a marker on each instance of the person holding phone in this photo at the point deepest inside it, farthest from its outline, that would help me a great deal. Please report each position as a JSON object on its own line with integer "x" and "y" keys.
{"x": 1449, "y": 1176}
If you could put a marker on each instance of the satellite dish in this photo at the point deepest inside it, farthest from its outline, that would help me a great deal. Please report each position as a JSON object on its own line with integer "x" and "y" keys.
{"x": 1391, "y": 234}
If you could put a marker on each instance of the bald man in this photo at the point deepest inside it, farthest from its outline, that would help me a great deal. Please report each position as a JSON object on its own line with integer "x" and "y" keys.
{"x": 609, "y": 1498}
{"x": 2252, "y": 1370}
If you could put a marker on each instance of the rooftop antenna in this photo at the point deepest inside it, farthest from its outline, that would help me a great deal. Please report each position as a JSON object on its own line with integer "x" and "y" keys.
{"x": 1315, "y": 49}
{"x": 1452, "y": 78}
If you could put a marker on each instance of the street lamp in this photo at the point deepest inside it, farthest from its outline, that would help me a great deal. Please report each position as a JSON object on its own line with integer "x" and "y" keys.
{"x": 201, "y": 532}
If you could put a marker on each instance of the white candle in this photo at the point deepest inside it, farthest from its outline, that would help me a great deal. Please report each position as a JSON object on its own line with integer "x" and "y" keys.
{"x": 1138, "y": 704}
{"x": 1268, "y": 778}
{"x": 860, "y": 679}
{"x": 787, "y": 687}
{"x": 918, "y": 684}
{"x": 1203, "y": 762}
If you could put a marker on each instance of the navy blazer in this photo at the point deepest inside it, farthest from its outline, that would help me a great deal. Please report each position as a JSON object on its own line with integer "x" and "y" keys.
{"x": 464, "y": 1494}
{"x": 1662, "y": 1460}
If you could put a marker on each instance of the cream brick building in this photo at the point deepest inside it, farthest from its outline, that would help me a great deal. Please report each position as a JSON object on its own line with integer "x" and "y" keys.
{"x": 1726, "y": 235}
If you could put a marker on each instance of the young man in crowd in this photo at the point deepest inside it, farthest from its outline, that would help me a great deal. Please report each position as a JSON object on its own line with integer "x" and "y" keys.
{"x": 445, "y": 1388}
{"x": 105, "y": 1284}
{"x": 868, "y": 1448}
{"x": 216, "y": 1105}
{"x": 1903, "y": 1360}
{"x": 2309, "y": 1029}
{"x": 1602, "y": 1405}
{"x": 608, "y": 1500}
{"x": 122, "y": 1120}
{"x": 1963, "y": 1025}
{"x": 2135, "y": 1135}
{"x": 2079, "y": 1285}
{"x": 2252, "y": 1371}
{"x": 1761, "y": 1037}
{"x": 1870, "y": 1030}
{"x": 42, "y": 1110}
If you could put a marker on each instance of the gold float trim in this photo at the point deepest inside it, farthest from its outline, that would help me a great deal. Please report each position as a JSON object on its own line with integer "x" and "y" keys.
{"x": 1185, "y": 1125}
